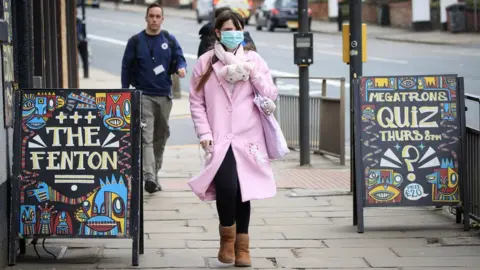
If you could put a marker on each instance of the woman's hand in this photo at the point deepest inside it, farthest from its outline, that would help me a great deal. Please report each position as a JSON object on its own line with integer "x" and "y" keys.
{"x": 205, "y": 144}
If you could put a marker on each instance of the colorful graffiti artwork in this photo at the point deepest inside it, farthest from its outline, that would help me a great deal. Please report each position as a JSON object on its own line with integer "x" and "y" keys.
{"x": 75, "y": 163}
{"x": 410, "y": 134}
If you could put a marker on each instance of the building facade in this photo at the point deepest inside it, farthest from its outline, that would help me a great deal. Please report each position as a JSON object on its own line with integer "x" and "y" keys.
{"x": 44, "y": 56}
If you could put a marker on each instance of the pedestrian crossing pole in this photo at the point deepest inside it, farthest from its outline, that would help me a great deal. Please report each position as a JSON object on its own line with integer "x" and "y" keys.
{"x": 355, "y": 40}
{"x": 303, "y": 57}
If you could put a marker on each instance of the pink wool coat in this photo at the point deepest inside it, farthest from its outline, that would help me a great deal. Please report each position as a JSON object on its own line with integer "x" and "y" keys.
{"x": 231, "y": 118}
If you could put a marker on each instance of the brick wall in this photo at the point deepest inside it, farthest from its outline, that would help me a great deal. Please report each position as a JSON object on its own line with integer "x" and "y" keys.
{"x": 401, "y": 14}
{"x": 369, "y": 13}
{"x": 319, "y": 11}
{"x": 470, "y": 17}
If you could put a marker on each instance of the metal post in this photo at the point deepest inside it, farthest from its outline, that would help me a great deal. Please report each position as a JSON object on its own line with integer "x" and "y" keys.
{"x": 355, "y": 23}
{"x": 304, "y": 103}
{"x": 23, "y": 42}
{"x": 83, "y": 46}
{"x": 340, "y": 17}
{"x": 475, "y": 15}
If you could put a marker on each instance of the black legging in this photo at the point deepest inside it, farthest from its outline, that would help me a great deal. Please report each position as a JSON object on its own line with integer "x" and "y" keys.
{"x": 230, "y": 207}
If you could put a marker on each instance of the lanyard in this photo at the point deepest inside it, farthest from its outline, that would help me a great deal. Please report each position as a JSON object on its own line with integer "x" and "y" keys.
{"x": 150, "y": 47}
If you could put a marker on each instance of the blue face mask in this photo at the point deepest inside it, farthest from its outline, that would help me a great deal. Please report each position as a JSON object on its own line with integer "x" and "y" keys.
{"x": 231, "y": 39}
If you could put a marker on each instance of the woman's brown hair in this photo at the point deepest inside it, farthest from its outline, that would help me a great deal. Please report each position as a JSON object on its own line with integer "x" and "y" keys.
{"x": 224, "y": 17}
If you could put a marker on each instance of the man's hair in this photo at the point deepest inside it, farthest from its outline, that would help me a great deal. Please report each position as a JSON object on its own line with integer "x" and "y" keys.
{"x": 154, "y": 5}
{"x": 219, "y": 11}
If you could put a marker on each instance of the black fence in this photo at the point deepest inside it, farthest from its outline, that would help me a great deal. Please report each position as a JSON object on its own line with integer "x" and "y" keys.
{"x": 472, "y": 159}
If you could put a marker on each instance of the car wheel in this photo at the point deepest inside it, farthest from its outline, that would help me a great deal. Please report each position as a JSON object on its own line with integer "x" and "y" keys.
{"x": 199, "y": 20}
{"x": 270, "y": 26}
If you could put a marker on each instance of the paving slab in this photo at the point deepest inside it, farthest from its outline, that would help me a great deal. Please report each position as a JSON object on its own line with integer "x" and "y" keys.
{"x": 461, "y": 241}
{"x": 215, "y": 222}
{"x": 121, "y": 258}
{"x": 212, "y": 235}
{"x": 472, "y": 261}
{"x": 281, "y": 201}
{"x": 333, "y": 252}
{"x": 298, "y": 221}
{"x": 322, "y": 262}
{"x": 375, "y": 243}
{"x": 301, "y": 209}
{"x": 323, "y": 232}
{"x": 254, "y": 252}
{"x": 262, "y": 244}
{"x": 438, "y": 268}
{"x": 437, "y": 251}
{"x": 149, "y": 244}
{"x": 155, "y": 228}
{"x": 257, "y": 263}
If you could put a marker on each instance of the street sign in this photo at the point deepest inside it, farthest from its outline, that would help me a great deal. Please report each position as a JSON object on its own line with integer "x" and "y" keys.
{"x": 77, "y": 163}
{"x": 408, "y": 141}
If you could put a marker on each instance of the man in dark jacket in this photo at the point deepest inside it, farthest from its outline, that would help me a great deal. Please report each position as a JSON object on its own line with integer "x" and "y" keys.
{"x": 150, "y": 58}
{"x": 207, "y": 34}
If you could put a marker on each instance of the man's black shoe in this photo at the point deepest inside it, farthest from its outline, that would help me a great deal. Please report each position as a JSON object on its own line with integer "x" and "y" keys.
{"x": 152, "y": 187}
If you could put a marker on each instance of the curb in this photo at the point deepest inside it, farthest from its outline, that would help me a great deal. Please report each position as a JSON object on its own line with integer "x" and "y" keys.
{"x": 420, "y": 41}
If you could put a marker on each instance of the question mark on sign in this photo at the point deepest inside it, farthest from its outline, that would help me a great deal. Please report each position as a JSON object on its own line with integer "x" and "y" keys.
{"x": 408, "y": 160}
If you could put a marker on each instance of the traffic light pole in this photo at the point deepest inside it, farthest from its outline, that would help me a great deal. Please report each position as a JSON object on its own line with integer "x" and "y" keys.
{"x": 355, "y": 25}
{"x": 304, "y": 104}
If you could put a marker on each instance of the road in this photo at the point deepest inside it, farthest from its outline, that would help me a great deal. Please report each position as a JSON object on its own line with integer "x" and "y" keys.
{"x": 108, "y": 31}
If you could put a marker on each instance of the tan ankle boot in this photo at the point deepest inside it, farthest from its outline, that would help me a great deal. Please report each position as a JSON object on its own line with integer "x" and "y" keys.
{"x": 226, "y": 254}
{"x": 242, "y": 251}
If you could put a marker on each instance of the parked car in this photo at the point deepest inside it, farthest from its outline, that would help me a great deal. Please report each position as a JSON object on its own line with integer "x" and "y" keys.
{"x": 93, "y": 3}
{"x": 205, "y": 8}
{"x": 279, "y": 14}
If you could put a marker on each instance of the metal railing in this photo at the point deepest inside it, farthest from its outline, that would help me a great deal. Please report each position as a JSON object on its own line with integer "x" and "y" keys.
{"x": 327, "y": 119}
{"x": 472, "y": 158}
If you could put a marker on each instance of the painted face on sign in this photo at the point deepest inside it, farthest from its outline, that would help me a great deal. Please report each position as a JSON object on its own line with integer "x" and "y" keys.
{"x": 37, "y": 109}
{"x": 103, "y": 213}
{"x": 383, "y": 186}
{"x": 444, "y": 182}
{"x": 117, "y": 112}
{"x": 449, "y": 111}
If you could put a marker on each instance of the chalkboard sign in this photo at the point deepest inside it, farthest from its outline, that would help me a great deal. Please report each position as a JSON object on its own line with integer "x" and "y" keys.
{"x": 408, "y": 131}
{"x": 77, "y": 162}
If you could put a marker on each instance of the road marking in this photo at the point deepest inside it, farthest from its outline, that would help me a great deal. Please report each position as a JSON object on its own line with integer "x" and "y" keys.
{"x": 106, "y": 39}
{"x": 458, "y": 52}
{"x": 285, "y": 47}
{"x": 193, "y": 35}
{"x": 114, "y": 22}
{"x": 261, "y": 44}
{"x": 190, "y": 56}
{"x": 194, "y": 57}
{"x": 387, "y": 60}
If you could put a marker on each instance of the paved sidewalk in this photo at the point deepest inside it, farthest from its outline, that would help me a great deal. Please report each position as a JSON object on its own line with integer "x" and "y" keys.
{"x": 298, "y": 229}
{"x": 308, "y": 225}
{"x": 382, "y": 33}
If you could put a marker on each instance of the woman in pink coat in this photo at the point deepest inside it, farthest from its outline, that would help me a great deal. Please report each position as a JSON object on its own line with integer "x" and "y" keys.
{"x": 228, "y": 125}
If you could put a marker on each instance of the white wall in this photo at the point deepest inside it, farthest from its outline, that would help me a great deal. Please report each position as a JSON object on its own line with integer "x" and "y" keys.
{"x": 420, "y": 10}
{"x": 332, "y": 8}
{"x": 443, "y": 12}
